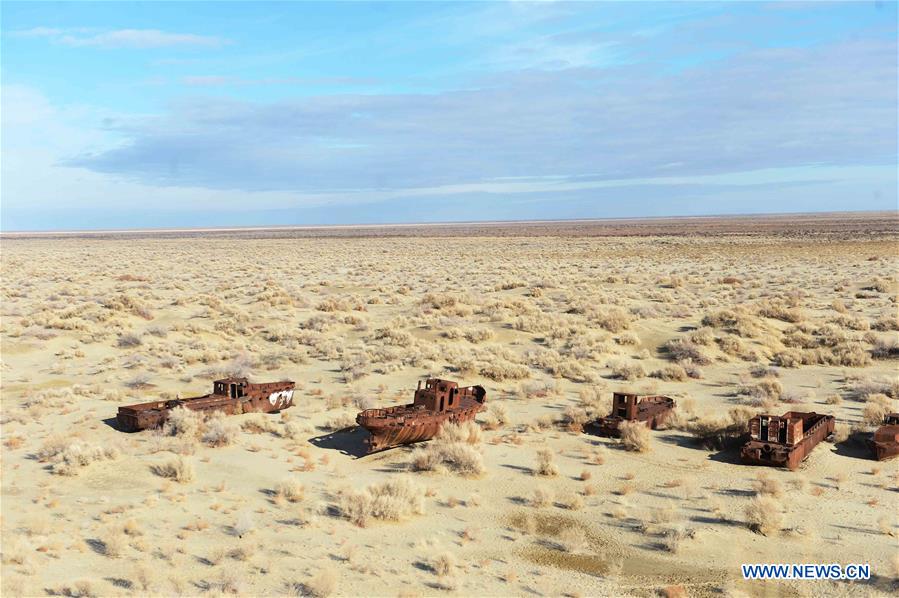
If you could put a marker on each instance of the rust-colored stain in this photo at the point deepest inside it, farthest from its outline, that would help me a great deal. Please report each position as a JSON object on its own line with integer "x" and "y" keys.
{"x": 652, "y": 410}
{"x": 229, "y": 395}
{"x": 885, "y": 442}
{"x": 439, "y": 402}
{"x": 787, "y": 440}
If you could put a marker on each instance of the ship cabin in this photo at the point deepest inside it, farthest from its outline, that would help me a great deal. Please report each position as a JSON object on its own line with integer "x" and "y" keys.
{"x": 437, "y": 395}
{"x": 230, "y": 387}
{"x": 624, "y": 406}
{"x": 629, "y": 406}
{"x": 787, "y": 429}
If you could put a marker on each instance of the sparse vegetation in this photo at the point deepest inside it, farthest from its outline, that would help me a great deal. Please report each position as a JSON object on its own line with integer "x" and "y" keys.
{"x": 453, "y": 449}
{"x": 176, "y": 468}
{"x": 729, "y": 325}
{"x": 391, "y": 500}
{"x": 764, "y": 515}
{"x": 635, "y": 436}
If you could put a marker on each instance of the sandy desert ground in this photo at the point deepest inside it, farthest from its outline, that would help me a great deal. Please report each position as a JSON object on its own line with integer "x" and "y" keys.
{"x": 729, "y": 316}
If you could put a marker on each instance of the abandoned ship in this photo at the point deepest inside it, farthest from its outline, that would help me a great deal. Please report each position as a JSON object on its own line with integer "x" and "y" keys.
{"x": 787, "y": 440}
{"x": 439, "y": 402}
{"x": 885, "y": 442}
{"x": 651, "y": 410}
{"x": 229, "y": 395}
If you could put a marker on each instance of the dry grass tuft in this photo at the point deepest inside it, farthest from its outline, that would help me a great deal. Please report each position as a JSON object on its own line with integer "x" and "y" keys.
{"x": 635, "y": 436}
{"x": 877, "y": 406}
{"x": 443, "y": 564}
{"x": 320, "y": 585}
{"x": 546, "y": 465}
{"x": 764, "y": 515}
{"x": 219, "y": 431}
{"x": 452, "y": 449}
{"x": 176, "y": 468}
{"x": 391, "y": 500}
{"x": 765, "y": 485}
{"x": 67, "y": 456}
{"x": 290, "y": 489}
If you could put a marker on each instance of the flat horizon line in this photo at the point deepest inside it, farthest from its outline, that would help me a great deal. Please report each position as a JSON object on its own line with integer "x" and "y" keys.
{"x": 287, "y": 227}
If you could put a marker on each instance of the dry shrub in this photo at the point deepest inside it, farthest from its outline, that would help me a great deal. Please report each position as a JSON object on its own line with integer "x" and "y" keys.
{"x": 541, "y": 498}
{"x": 340, "y": 422}
{"x": 791, "y": 358}
{"x": 219, "y": 431}
{"x": 571, "y": 538}
{"x": 860, "y": 388}
{"x": 459, "y": 458}
{"x": 537, "y": 389}
{"x": 635, "y": 436}
{"x": 546, "y": 465}
{"x": 628, "y": 371}
{"x": 113, "y": 542}
{"x": 391, "y": 500}
{"x": 765, "y": 485}
{"x": 443, "y": 564}
{"x": 183, "y": 422}
{"x": 176, "y": 468}
{"x": 682, "y": 350}
{"x": 628, "y": 338}
{"x": 877, "y": 406}
{"x": 290, "y": 489}
{"x": 673, "y": 537}
{"x": 614, "y": 320}
{"x": 500, "y": 370}
{"x": 68, "y": 455}
{"x": 453, "y": 449}
{"x": 295, "y": 430}
{"x": 764, "y": 515}
{"x": 478, "y": 335}
{"x": 885, "y": 348}
{"x": 128, "y": 340}
{"x": 320, "y": 585}
{"x": 497, "y": 416}
{"x": 258, "y": 423}
{"x": 574, "y": 418}
{"x": 671, "y": 373}
{"x": 570, "y": 500}
{"x": 465, "y": 432}
{"x": 82, "y": 588}
{"x": 769, "y": 387}
{"x": 718, "y": 433}
{"x": 841, "y": 432}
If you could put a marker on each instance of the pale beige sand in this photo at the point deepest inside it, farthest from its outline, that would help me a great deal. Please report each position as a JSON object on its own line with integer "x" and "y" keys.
{"x": 351, "y": 320}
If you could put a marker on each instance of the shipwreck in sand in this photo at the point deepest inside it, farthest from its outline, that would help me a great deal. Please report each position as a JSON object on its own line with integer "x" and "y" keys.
{"x": 438, "y": 403}
{"x": 229, "y": 395}
{"x": 652, "y": 410}
{"x": 885, "y": 442}
{"x": 785, "y": 441}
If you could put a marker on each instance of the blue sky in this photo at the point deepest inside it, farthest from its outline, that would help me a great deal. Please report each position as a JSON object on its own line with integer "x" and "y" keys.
{"x": 119, "y": 115}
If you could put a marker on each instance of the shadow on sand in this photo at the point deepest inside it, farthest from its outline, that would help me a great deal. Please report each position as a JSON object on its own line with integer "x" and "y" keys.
{"x": 113, "y": 423}
{"x": 349, "y": 441}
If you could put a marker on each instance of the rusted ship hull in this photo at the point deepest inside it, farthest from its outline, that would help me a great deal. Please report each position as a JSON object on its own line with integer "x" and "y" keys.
{"x": 388, "y": 434}
{"x": 885, "y": 442}
{"x": 652, "y": 411}
{"x": 439, "y": 403}
{"x": 884, "y": 450}
{"x": 773, "y": 454}
{"x": 264, "y": 398}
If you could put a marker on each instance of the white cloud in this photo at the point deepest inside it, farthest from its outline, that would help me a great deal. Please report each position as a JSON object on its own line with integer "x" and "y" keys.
{"x": 122, "y": 38}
